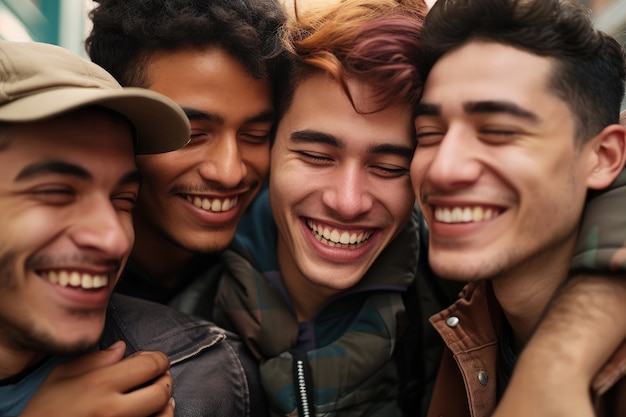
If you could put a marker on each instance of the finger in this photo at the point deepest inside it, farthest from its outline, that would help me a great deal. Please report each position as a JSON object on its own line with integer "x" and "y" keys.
{"x": 90, "y": 361}
{"x": 153, "y": 398}
{"x": 137, "y": 370}
{"x": 168, "y": 411}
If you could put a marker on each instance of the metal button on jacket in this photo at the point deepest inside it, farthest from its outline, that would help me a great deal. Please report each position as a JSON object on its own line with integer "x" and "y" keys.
{"x": 452, "y": 321}
{"x": 483, "y": 378}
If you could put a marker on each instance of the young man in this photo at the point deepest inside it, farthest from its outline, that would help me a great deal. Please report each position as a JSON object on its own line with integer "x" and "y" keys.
{"x": 509, "y": 147}
{"x": 216, "y": 59}
{"x": 318, "y": 294}
{"x": 68, "y": 187}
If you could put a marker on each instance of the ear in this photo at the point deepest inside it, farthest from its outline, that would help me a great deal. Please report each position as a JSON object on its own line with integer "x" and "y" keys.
{"x": 609, "y": 156}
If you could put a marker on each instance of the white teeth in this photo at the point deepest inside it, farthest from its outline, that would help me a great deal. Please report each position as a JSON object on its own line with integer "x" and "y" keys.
{"x": 215, "y": 205}
{"x": 64, "y": 278}
{"x": 464, "y": 214}
{"x": 76, "y": 279}
{"x": 335, "y": 238}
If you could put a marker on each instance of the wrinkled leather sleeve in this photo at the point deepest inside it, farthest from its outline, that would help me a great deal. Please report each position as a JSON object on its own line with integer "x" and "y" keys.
{"x": 601, "y": 245}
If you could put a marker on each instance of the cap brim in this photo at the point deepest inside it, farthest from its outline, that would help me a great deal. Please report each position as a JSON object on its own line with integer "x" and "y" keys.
{"x": 160, "y": 124}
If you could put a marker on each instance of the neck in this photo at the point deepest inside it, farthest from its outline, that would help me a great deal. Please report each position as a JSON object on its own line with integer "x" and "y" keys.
{"x": 306, "y": 297}
{"x": 12, "y": 361}
{"x": 525, "y": 293}
{"x": 158, "y": 257}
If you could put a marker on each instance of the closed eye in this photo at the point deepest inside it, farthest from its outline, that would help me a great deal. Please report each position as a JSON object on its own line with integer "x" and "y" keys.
{"x": 390, "y": 171}
{"x": 54, "y": 195}
{"x": 497, "y": 135}
{"x": 124, "y": 202}
{"x": 314, "y": 157}
{"x": 429, "y": 138}
{"x": 258, "y": 139}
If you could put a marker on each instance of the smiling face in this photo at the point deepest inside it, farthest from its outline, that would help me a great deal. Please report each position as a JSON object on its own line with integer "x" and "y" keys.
{"x": 194, "y": 197}
{"x": 67, "y": 188}
{"x": 339, "y": 187}
{"x": 498, "y": 173}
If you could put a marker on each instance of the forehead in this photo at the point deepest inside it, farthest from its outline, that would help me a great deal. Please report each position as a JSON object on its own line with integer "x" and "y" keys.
{"x": 489, "y": 71}
{"x": 320, "y": 104}
{"x": 208, "y": 79}
{"x": 98, "y": 139}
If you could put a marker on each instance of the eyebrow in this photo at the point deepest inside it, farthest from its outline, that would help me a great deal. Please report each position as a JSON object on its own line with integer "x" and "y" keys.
{"x": 499, "y": 107}
{"x": 132, "y": 177}
{"x": 72, "y": 170}
{"x": 427, "y": 109}
{"x": 480, "y": 107}
{"x": 195, "y": 114}
{"x": 312, "y": 136}
{"x": 53, "y": 167}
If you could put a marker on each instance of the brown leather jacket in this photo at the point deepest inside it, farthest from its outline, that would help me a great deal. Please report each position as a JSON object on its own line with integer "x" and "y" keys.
{"x": 466, "y": 383}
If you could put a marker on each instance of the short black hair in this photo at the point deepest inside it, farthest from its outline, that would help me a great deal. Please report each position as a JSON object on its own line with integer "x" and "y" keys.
{"x": 589, "y": 68}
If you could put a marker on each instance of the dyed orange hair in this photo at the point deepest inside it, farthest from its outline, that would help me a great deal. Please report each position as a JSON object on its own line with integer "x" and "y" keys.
{"x": 376, "y": 42}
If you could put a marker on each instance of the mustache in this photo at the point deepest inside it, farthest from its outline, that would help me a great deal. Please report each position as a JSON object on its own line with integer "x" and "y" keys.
{"x": 215, "y": 188}
{"x": 75, "y": 260}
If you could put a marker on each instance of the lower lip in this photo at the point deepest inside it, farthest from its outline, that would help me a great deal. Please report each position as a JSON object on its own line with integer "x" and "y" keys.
{"x": 80, "y": 298}
{"x": 338, "y": 254}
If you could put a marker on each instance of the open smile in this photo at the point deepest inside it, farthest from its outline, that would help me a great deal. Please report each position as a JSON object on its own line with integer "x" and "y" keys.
{"x": 76, "y": 279}
{"x": 216, "y": 205}
{"x": 465, "y": 214}
{"x": 339, "y": 238}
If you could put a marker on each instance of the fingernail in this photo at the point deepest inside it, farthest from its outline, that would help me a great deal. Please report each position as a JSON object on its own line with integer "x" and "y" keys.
{"x": 115, "y": 345}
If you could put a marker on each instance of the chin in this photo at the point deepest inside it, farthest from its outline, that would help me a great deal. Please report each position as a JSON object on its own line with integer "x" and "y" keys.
{"x": 71, "y": 347}
{"x": 455, "y": 272}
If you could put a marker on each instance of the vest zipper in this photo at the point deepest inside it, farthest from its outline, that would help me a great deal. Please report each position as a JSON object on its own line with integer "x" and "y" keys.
{"x": 303, "y": 385}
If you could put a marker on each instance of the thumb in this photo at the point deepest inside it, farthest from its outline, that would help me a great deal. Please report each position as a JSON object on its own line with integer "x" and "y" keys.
{"x": 91, "y": 361}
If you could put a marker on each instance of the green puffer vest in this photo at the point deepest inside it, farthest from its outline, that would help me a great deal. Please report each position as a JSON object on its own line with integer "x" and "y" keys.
{"x": 347, "y": 369}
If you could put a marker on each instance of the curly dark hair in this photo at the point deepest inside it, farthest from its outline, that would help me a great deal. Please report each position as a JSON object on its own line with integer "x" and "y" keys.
{"x": 127, "y": 32}
{"x": 589, "y": 68}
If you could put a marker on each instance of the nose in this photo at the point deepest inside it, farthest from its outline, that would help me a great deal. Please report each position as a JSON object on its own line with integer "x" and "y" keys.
{"x": 222, "y": 162}
{"x": 347, "y": 194}
{"x": 454, "y": 164}
{"x": 100, "y": 227}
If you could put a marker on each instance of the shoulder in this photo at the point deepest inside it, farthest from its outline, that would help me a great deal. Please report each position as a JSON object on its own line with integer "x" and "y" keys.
{"x": 213, "y": 370}
{"x": 146, "y": 325}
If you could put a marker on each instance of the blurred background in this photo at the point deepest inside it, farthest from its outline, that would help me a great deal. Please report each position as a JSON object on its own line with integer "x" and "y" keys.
{"x": 65, "y": 22}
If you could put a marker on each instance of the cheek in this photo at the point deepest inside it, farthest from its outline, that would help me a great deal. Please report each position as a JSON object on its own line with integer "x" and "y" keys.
{"x": 33, "y": 228}
{"x": 156, "y": 169}
{"x": 401, "y": 200}
{"x": 280, "y": 188}
{"x": 417, "y": 169}
{"x": 257, "y": 160}
{"x": 126, "y": 221}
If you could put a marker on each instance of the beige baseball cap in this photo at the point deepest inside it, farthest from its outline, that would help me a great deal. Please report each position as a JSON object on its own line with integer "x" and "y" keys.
{"x": 39, "y": 80}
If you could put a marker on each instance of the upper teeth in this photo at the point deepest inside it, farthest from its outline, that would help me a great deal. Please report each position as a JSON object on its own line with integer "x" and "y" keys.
{"x": 464, "y": 214}
{"x": 334, "y": 237}
{"x": 212, "y": 204}
{"x": 77, "y": 279}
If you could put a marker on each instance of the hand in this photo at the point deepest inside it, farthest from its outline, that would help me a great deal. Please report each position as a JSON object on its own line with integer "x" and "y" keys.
{"x": 553, "y": 375}
{"x": 103, "y": 383}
